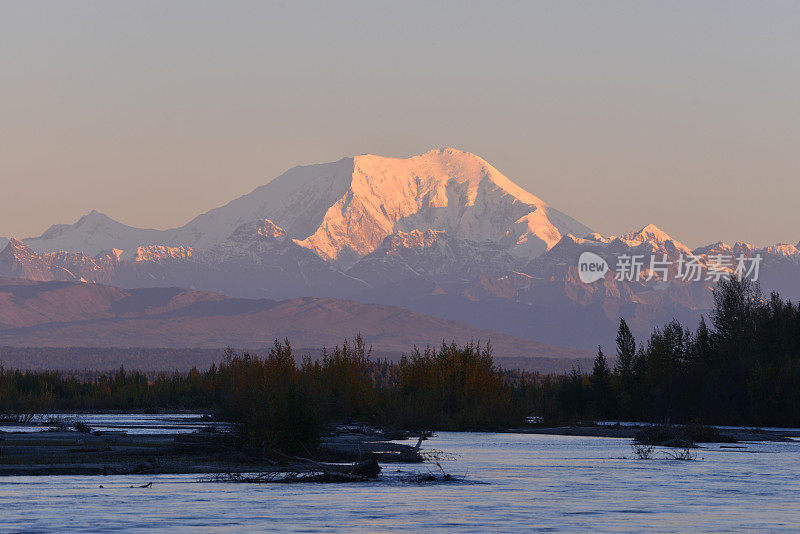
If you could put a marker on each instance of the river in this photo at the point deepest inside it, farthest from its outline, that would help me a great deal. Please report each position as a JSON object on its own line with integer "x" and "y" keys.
{"x": 501, "y": 483}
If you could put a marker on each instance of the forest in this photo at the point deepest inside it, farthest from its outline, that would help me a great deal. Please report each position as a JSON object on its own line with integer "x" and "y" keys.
{"x": 741, "y": 367}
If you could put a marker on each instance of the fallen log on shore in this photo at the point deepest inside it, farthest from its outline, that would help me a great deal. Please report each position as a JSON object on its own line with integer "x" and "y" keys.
{"x": 357, "y": 446}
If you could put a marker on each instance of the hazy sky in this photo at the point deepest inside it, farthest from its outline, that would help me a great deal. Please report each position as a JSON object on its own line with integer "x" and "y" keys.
{"x": 683, "y": 114}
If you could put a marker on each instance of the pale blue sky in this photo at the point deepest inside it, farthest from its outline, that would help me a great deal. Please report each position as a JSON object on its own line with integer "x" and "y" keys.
{"x": 683, "y": 114}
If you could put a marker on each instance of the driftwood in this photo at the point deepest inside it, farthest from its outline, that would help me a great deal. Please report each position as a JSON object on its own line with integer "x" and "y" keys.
{"x": 358, "y": 446}
{"x": 307, "y": 470}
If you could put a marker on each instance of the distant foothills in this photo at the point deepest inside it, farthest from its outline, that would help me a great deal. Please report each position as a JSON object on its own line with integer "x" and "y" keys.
{"x": 442, "y": 238}
{"x": 78, "y": 326}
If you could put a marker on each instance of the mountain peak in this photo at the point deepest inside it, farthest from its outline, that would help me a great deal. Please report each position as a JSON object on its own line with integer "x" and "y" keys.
{"x": 92, "y": 233}
{"x": 442, "y": 189}
{"x": 655, "y": 237}
{"x": 451, "y": 152}
{"x": 782, "y": 249}
{"x": 720, "y": 247}
{"x": 263, "y": 228}
{"x": 94, "y": 214}
{"x": 651, "y": 232}
{"x": 95, "y": 217}
{"x": 439, "y": 167}
{"x": 17, "y": 248}
{"x": 595, "y": 236}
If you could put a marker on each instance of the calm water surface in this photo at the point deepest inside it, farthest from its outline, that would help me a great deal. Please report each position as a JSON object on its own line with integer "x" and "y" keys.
{"x": 132, "y": 423}
{"x": 511, "y": 482}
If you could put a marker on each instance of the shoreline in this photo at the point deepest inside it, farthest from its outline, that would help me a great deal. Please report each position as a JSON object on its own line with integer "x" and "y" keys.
{"x": 65, "y": 452}
{"x": 630, "y": 432}
{"x": 341, "y": 453}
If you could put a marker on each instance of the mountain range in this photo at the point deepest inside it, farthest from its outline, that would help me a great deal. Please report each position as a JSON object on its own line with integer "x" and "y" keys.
{"x": 443, "y": 234}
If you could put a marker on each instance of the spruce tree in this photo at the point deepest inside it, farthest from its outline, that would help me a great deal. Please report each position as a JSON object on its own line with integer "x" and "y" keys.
{"x": 626, "y": 349}
{"x": 624, "y": 369}
{"x": 602, "y": 394}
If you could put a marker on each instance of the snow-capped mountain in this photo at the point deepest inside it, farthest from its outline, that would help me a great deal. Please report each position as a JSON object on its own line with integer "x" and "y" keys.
{"x": 344, "y": 210}
{"x": 444, "y": 190}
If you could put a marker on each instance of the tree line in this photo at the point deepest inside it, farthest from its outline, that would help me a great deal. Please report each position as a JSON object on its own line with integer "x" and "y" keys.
{"x": 277, "y": 403}
{"x": 742, "y": 369}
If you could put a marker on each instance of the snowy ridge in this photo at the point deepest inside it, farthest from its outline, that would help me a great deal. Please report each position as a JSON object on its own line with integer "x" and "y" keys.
{"x": 296, "y": 201}
{"x": 93, "y": 233}
{"x": 782, "y": 249}
{"x": 652, "y": 243}
{"x": 161, "y": 253}
{"x": 17, "y": 260}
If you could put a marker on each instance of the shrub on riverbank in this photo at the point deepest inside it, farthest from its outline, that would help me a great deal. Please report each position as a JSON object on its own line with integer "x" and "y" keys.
{"x": 267, "y": 400}
{"x": 454, "y": 388}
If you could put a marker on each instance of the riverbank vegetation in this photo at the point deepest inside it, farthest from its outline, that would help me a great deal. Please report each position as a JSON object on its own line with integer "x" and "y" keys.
{"x": 275, "y": 403}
